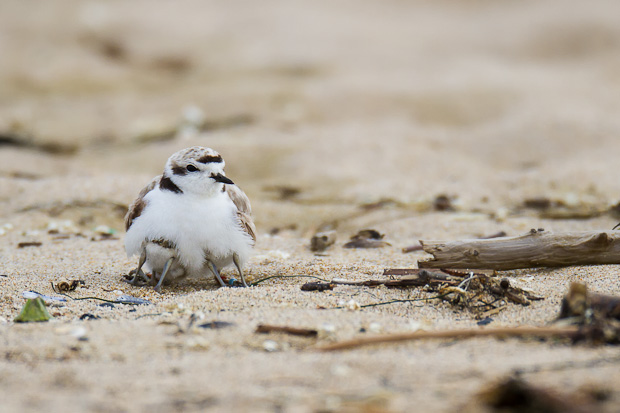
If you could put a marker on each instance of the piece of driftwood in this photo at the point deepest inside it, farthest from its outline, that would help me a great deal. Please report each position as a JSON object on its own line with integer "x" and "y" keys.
{"x": 418, "y": 247}
{"x": 304, "y": 332}
{"x": 538, "y": 248}
{"x": 542, "y": 332}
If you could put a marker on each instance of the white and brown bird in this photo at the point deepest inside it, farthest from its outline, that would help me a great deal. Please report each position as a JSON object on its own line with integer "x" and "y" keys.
{"x": 190, "y": 221}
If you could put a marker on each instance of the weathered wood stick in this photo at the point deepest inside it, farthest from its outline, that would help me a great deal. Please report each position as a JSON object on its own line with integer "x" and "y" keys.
{"x": 267, "y": 328}
{"x": 567, "y": 332}
{"x": 419, "y": 247}
{"x": 538, "y": 248}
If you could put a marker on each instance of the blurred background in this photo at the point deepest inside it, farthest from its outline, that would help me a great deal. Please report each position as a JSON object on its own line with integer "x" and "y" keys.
{"x": 321, "y": 106}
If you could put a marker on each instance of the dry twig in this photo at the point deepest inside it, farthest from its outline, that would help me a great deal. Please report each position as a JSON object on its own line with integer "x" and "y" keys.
{"x": 543, "y": 332}
{"x": 305, "y": 332}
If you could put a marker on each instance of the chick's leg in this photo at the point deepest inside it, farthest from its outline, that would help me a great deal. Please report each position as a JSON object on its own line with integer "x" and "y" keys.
{"x": 213, "y": 269}
{"x": 164, "y": 271}
{"x": 139, "y": 278}
{"x": 236, "y": 261}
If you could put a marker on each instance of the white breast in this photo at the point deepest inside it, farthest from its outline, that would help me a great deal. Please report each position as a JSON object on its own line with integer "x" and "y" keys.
{"x": 200, "y": 227}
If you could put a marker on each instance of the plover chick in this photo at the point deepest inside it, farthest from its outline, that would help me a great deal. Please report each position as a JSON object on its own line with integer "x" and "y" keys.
{"x": 190, "y": 221}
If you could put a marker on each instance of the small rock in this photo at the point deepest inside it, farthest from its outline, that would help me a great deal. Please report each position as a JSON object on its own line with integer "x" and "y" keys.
{"x": 322, "y": 240}
{"x": 270, "y": 346}
{"x": 375, "y": 328}
{"x": 353, "y": 305}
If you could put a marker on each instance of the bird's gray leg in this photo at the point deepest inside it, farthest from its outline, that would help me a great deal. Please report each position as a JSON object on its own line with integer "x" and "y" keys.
{"x": 138, "y": 271}
{"x": 165, "y": 270}
{"x": 215, "y": 272}
{"x": 236, "y": 261}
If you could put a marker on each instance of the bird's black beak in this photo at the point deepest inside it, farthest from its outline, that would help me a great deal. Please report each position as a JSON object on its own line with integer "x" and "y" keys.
{"x": 221, "y": 178}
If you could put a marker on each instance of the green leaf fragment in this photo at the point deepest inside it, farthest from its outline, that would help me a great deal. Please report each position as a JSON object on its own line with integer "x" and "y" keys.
{"x": 33, "y": 310}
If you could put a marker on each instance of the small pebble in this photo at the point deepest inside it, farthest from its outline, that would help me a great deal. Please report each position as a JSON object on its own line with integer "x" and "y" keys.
{"x": 485, "y": 321}
{"x": 375, "y": 328}
{"x": 353, "y": 305}
{"x": 270, "y": 346}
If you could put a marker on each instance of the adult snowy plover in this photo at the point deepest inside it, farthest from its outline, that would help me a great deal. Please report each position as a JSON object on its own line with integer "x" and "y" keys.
{"x": 190, "y": 221}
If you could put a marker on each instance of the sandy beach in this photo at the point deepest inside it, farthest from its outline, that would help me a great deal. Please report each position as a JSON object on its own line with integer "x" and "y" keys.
{"x": 345, "y": 116}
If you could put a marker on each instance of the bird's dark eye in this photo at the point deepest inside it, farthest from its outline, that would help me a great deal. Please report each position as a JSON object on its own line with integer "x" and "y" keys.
{"x": 191, "y": 168}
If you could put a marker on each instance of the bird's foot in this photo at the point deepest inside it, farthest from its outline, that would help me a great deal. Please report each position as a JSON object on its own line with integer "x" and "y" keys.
{"x": 137, "y": 278}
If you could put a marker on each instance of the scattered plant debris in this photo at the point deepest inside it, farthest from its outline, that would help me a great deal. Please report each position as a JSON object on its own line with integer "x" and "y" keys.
{"x": 481, "y": 293}
{"x": 367, "y": 238}
{"x": 305, "y": 332}
{"x": 317, "y": 286}
{"x": 29, "y": 244}
{"x": 66, "y": 286}
{"x": 597, "y": 314}
{"x": 578, "y": 302}
{"x": 33, "y": 310}
{"x": 443, "y": 203}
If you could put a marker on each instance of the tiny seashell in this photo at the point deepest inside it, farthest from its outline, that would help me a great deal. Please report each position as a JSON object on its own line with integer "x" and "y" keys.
{"x": 129, "y": 299}
{"x": 270, "y": 346}
{"x": 374, "y": 328}
{"x": 47, "y": 298}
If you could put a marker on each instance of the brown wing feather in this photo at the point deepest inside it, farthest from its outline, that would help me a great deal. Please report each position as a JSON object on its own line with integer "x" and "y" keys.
{"x": 244, "y": 209}
{"x": 136, "y": 208}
